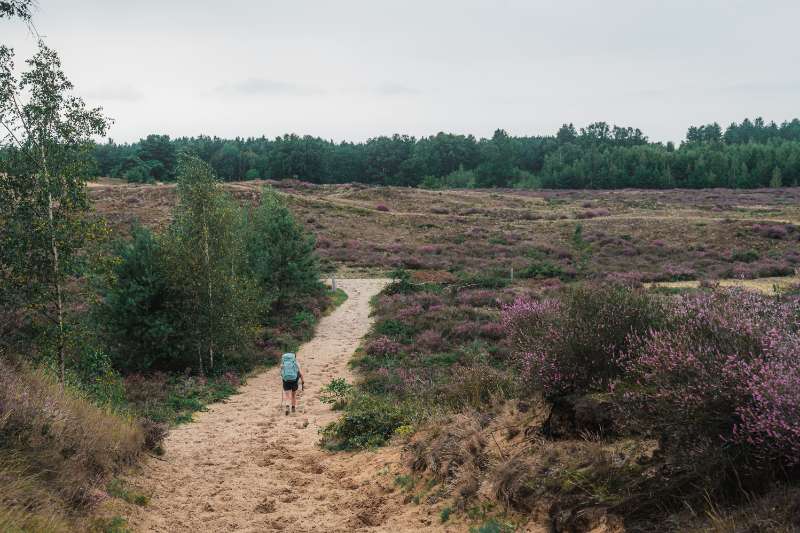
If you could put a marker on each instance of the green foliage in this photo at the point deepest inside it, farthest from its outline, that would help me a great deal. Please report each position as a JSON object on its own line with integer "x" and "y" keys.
{"x": 493, "y": 526}
{"x": 206, "y": 257}
{"x": 543, "y": 269}
{"x": 116, "y": 524}
{"x": 16, "y": 8}
{"x": 280, "y": 254}
{"x": 395, "y": 328}
{"x": 401, "y": 283}
{"x": 336, "y": 393}
{"x": 119, "y": 489}
{"x": 45, "y": 223}
{"x": 338, "y": 297}
{"x": 444, "y": 516}
{"x": 598, "y": 156}
{"x": 140, "y": 313}
{"x": 367, "y": 421}
{"x": 745, "y": 256}
{"x": 583, "y": 250}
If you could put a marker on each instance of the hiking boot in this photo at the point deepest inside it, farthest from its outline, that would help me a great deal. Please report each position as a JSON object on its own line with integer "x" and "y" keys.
{"x": 293, "y": 408}
{"x": 287, "y": 410}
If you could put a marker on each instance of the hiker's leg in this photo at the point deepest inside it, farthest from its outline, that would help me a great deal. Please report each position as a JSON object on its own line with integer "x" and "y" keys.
{"x": 294, "y": 397}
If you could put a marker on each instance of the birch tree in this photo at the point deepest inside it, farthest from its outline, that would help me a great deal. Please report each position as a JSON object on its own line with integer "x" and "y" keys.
{"x": 44, "y": 210}
{"x": 206, "y": 252}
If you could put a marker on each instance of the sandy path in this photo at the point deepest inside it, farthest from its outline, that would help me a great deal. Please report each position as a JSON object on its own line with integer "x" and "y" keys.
{"x": 244, "y": 466}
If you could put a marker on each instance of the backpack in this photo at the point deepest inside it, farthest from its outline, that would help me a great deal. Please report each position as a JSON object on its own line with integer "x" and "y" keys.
{"x": 289, "y": 369}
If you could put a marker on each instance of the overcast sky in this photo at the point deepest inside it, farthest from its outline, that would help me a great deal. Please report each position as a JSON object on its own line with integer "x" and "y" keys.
{"x": 356, "y": 69}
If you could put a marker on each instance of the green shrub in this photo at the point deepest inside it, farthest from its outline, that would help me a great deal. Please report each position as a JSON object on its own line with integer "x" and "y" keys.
{"x": 401, "y": 283}
{"x": 395, "y": 328}
{"x": 444, "y": 516}
{"x": 543, "y": 269}
{"x": 336, "y": 393}
{"x": 745, "y": 256}
{"x": 367, "y": 421}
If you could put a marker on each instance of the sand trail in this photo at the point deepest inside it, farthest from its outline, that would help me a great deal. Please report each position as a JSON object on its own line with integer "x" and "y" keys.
{"x": 245, "y": 466}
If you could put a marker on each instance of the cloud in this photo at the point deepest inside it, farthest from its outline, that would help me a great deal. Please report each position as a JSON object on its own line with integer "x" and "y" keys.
{"x": 121, "y": 93}
{"x": 395, "y": 89}
{"x": 261, "y": 86}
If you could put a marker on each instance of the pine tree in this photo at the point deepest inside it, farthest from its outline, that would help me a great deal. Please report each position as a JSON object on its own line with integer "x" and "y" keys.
{"x": 280, "y": 252}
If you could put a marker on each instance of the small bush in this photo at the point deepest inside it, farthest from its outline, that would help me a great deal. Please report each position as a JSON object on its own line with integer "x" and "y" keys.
{"x": 337, "y": 393}
{"x": 745, "y": 256}
{"x": 382, "y": 207}
{"x": 367, "y": 421}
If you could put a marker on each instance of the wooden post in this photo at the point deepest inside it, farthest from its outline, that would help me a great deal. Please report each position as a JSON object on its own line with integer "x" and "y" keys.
{"x": 512, "y": 273}
{"x": 333, "y": 282}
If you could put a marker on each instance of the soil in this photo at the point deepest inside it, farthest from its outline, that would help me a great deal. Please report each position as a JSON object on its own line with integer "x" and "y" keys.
{"x": 243, "y": 465}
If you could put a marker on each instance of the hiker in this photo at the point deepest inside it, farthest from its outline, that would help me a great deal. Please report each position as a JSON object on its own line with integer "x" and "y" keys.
{"x": 291, "y": 376}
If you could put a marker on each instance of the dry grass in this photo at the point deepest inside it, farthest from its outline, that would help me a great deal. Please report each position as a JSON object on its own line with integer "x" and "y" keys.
{"x": 24, "y": 504}
{"x": 776, "y": 512}
{"x": 57, "y": 449}
{"x": 453, "y": 453}
{"x": 765, "y": 285}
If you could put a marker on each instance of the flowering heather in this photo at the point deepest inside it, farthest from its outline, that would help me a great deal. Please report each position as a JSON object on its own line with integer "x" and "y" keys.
{"x": 466, "y": 330}
{"x": 727, "y": 365}
{"x": 383, "y": 346}
{"x": 382, "y": 207}
{"x": 429, "y": 249}
{"x": 411, "y": 311}
{"x": 492, "y": 330}
{"x": 771, "y": 422}
{"x": 478, "y": 297}
{"x": 430, "y": 340}
{"x": 773, "y": 231}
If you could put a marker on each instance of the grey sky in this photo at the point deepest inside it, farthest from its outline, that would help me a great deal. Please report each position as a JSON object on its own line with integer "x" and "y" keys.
{"x": 357, "y": 69}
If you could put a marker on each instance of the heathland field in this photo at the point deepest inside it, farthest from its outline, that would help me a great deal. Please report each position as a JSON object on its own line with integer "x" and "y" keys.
{"x": 647, "y": 236}
{"x": 542, "y": 360}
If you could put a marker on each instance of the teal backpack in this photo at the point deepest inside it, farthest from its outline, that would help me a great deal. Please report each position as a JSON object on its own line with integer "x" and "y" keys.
{"x": 289, "y": 369}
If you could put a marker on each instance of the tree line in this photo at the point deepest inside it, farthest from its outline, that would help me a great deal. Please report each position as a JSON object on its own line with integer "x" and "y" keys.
{"x": 749, "y": 154}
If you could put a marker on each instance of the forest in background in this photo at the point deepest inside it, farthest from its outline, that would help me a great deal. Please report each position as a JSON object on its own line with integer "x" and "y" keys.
{"x": 750, "y": 154}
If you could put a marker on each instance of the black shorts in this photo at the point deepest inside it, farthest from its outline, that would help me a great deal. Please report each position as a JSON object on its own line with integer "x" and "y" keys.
{"x": 290, "y": 385}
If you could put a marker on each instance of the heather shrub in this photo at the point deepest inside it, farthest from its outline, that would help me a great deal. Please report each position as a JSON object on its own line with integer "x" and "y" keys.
{"x": 382, "y": 346}
{"x": 571, "y": 344}
{"x": 430, "y": 340}
{"x": 773, "y": 231}
{"x": 726, "y": 368}
{"x": 382, "y": 207}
